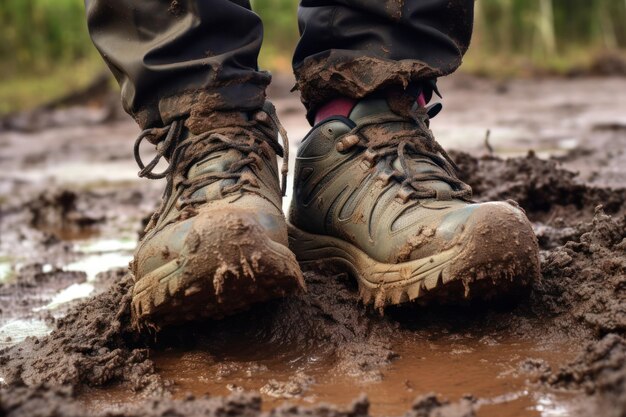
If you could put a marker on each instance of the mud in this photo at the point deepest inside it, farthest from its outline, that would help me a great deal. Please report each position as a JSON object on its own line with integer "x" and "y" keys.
{"x": 92, "y": 345}
{"x": 194, "y": 103}
{"x": 541, "y": 187}
{"x": 581, "y": 288}
{"x": 35, "y": 284}
{"x": 558, "y": 350}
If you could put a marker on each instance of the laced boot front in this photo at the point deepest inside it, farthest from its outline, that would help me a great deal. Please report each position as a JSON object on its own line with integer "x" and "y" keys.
{"x": 218, "y": 242}
{"x": 376, "y": 196}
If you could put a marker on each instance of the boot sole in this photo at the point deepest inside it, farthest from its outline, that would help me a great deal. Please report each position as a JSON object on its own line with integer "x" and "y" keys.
{"x": 180, "y": 291}
{"x": 434, "y": 278}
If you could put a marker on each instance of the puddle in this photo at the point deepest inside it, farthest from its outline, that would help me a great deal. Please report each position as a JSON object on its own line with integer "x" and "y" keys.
{"x": 6, "y": 271}
{"x": 107, "y": 245}
{"x": 71, "y": 293}
{"x": 78, "y": 172}
{"x": 103, "y": 255}
{"x": 94, "y": 264}
{"x": 16, "y": 331}
{"x": 453, "y": 368}
{"x": 99, "y": 255}
{"x": 91, "y": 266}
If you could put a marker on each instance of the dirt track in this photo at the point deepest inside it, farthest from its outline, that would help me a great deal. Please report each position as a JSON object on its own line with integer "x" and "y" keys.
{"x": 72, "y": 209}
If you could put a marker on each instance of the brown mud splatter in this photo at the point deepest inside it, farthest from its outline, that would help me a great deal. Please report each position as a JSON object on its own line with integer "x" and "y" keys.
{"x": 248, "y": 97}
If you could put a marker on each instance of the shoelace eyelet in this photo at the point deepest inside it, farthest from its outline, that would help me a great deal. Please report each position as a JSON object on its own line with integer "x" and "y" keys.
{"x": 385, "y": 177}
{"x": 346, "y": 143}
{"x": 404, "y": 194}
{"x": 369, "y": 157}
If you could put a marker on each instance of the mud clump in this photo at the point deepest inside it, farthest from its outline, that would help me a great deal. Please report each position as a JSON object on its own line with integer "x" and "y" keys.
{"x": 332, "y": 314}
{"x": 91, "y": 346}
{"x": 292, "y": 388}
{"x": 586, "y": 277}
{"x": 430, "y": 406}
{"x": 51, "y": 402}
{"x": 584, "y": 283}
{"x": 600, "y": 370}
{"x": 46, "y": 402}
{"x": 546, "y": 191}
{"x": 59, "y": 212}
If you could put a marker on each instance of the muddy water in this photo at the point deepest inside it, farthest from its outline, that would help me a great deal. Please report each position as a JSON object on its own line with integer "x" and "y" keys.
{"x": 452, "y": 366}
{"x": 93, "y": 255}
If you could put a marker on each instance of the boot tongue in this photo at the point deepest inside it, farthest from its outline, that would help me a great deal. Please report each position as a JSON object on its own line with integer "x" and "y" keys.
{"x": 422, "y": 165}
{"x": 370, "y": 107}
{"x": 215, "y": 162}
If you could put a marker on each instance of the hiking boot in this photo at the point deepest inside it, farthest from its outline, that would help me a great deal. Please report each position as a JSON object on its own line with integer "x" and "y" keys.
{"x": 375, "y": 195}
{"x": 218, "y": 242}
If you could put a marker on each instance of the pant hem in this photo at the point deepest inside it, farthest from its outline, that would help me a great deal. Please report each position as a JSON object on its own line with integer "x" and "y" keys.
{"x": 350, "y": 74}
{"x": 237, "y": 95}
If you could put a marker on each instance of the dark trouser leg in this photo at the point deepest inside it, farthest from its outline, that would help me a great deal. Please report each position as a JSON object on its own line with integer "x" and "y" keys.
{"x": 174, "y": 58}
{"x": 355, "y": 47}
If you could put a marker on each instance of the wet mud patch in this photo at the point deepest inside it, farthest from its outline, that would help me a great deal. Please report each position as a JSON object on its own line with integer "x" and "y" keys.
{"x": 548, "y": 193}
{"x": 22, "y": 295}
{"x": 308, "y": 349}
{"x": 57, "y": 241}
{"x": 444, "y": 363}
{"x": 93, "y": 345}
{"x": 560, "y": 347}
{"x": 585, "y": 283}
{"x": 58, "y": 214}
{"x": 326, "y": 322}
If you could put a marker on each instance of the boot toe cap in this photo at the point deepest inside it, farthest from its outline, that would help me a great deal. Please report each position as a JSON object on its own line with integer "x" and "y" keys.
{"x": 498, "y": 241}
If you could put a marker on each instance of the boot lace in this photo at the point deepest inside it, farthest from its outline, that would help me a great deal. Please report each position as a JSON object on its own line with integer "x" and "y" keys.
{"x": 406, "y": 145}
{"x": 254, "y": 139}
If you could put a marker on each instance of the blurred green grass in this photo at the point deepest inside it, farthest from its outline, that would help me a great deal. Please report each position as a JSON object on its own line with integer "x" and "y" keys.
{"x": 46, "y": 52}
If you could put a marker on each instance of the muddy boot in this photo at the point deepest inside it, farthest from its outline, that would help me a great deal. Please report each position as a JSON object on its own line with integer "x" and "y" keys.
{"x": 375, "y": 195}
{"x": 218, "y": 243}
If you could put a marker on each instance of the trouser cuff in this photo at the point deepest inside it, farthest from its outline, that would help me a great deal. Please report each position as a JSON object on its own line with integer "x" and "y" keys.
{"x": 351, "y": 74}
{"x": 237, "y": 95}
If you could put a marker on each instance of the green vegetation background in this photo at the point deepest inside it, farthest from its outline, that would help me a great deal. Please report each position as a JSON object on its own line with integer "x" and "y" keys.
{"x": 45, "y": 49}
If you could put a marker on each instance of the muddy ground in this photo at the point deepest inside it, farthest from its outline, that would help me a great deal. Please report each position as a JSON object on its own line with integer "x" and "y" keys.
{"x": 72, "y": 210}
